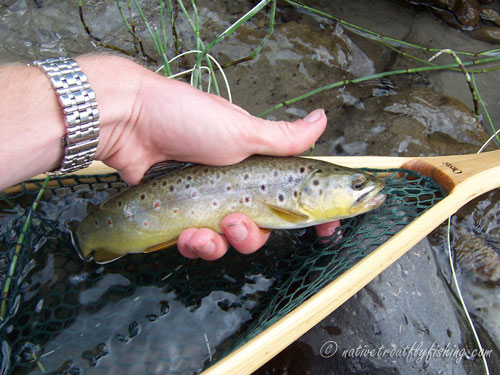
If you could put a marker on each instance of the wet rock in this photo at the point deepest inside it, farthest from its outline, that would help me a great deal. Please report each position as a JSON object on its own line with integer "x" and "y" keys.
{"x": 296, "y": 359}
{"x": 463, "y": 14}
{"x": 475, "y": 255}
{"x": 407, "y": 306}
{"x": 490, "y": 14}
{"x": 489, "y": 34}
{"x": 475, "y": 239}
{"x": 404, "y": 122}
{"x": 467, "y": 12}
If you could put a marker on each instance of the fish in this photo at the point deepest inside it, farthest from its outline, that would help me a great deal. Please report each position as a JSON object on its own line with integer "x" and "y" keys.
{"x": 275, "y": 192}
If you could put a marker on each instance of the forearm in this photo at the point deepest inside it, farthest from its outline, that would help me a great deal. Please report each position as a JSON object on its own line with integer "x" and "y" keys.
{"x": 31, "y": 118}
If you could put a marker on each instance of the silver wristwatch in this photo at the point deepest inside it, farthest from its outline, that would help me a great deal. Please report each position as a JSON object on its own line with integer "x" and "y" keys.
{"x": 80, "y": 112}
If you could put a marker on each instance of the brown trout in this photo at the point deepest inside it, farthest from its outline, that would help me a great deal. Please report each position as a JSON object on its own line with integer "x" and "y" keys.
{"x": 276, "y": 192}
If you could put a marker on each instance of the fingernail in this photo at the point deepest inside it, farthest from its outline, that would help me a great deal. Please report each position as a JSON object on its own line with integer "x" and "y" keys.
{"x": 237, "y": 231}
{"x": 206, "y": 249}
{"x": 314, "y": 115}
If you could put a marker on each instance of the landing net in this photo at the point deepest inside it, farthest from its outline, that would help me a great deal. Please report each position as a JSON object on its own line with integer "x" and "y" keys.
{"x": 160, "y": 313}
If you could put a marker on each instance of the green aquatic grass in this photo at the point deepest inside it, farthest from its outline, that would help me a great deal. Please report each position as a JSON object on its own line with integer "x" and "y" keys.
{"x": 6, "y": 292}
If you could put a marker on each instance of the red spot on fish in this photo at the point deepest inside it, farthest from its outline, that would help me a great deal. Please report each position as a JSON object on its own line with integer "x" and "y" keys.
{"x": 247, "y": 199}
{"x": 215, "y": 204}
{"x": 145, "y": 223}
{"x": 109, "y": 222}
{"x": 228, "y": 188}
{"x": 156, "y": 204}
{"x": 175, "y": 210}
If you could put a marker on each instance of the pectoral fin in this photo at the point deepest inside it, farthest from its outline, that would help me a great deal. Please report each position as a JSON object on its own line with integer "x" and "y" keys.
{"x": 287, "y": 214}
{"x": 161, "y": 246}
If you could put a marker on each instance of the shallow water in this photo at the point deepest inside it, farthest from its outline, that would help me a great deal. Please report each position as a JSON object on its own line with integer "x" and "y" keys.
{"x": 404, "y": 115}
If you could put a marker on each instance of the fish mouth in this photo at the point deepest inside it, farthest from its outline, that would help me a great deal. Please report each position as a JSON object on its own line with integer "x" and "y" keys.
{"x": 370, "y": 199}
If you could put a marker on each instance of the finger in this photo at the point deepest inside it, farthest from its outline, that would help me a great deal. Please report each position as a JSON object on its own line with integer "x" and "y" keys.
{"x": 327, "y": 229}
{"x": 243, "y": 234}
{"x": 202, "y": 243}
{"x": 287, "y": 138}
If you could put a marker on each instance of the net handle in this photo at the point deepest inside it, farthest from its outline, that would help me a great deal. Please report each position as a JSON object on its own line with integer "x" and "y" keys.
{"x": 464, "y": 176}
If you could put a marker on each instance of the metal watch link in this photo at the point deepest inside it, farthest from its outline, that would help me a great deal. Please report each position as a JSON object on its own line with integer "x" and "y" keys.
{"x": 81, "y": 114}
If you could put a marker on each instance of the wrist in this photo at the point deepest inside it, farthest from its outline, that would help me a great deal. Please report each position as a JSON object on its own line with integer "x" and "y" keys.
{"x": 116, "y": 84}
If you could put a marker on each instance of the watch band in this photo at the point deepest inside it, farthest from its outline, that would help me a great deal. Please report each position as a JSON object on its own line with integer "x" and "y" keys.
{"x": 81, "y": 114}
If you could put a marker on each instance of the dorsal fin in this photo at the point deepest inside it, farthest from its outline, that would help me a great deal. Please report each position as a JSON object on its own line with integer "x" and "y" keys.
{"x": 91, "y": 208}
{"x": 164, "y": 168}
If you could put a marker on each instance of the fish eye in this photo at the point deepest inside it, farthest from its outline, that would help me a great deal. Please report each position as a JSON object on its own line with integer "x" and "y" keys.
{"x": 358, "y": 182}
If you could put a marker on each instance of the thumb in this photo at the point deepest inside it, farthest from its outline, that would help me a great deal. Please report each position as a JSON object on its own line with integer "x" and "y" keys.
{"x": 282, "y": 138}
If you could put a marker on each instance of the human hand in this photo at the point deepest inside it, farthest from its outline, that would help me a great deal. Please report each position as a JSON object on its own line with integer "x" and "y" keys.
{"x": 170, "y": 120}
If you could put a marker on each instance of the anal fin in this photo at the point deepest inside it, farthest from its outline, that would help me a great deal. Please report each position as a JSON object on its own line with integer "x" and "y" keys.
{"x": 161, "y": 246}
{"x": 103, "y": 256}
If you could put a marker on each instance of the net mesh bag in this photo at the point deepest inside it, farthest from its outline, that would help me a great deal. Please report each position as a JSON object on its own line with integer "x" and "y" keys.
{"x": 160, "y": 313}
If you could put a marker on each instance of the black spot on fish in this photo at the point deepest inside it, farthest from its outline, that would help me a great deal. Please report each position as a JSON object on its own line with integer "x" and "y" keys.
{"x": 171, "y": 188}
{"x": 246, "y": 176}
{"x": 96, "y": 223}
{"x": 281, "y": 197}
{"x": 275, "y": 173}
{"x": 290, "y": 179}
{"x": 302, "y": 169}
{"x": 164, "y": 183}
{"x": 119, "y": 203}
{"x": 295, "y": 193}
{"x": 154, "y": 184}
{"x": 189, "y": 178}
{"x": 320, "y": 191}
{"x": 205, "y": 170}
{"x": 142, "y": 196}
{"x": 336, "y": 169}
{"x": 188, "y": 186}
{"x": 315, "y": 182}
{"x": 179, "y": 180}
{"x": 320, "y": 171}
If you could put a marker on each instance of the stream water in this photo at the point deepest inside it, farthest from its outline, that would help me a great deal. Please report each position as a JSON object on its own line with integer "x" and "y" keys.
{"x": 421, "y": 114}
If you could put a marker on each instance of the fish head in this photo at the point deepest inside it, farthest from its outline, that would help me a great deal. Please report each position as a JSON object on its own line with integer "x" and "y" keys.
{"x": 336, "y": 192}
